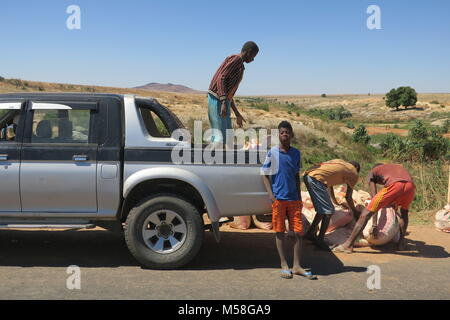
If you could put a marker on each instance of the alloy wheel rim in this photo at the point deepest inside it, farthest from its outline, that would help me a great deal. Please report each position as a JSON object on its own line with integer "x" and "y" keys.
{"x": 164, "y": 231}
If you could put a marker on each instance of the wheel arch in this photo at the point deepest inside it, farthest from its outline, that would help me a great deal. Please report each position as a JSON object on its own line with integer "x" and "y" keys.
{"x": 168, "y": 180}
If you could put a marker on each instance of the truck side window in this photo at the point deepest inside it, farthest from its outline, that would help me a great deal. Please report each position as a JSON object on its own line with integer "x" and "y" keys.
{"x": 154, "y": 124}
{"x": 61, "y": 126}
{"x": 9, "y": 121}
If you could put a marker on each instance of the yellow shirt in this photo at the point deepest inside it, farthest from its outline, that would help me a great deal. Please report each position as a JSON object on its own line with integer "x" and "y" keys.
{"x": 335, "y": 172}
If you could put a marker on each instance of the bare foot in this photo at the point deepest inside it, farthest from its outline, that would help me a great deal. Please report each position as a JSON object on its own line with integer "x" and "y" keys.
{"x": 341, "y": 248}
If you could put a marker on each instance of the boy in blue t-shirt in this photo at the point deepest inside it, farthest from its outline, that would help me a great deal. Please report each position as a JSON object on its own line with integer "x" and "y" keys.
{"x": 282, "y": 181}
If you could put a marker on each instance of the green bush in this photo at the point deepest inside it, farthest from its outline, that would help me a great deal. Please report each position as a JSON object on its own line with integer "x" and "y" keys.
{"x": 323, "y": 95}
{"x": 260, "y": 106}
{"x": 434, "y": 102}
{"x": 421, "y": 145}
{"x": 360, "y": 135}
{"x": 392, "y": 144}
{"x": 445, "y": 127}
{"x": 338, "y": 113}
{"x": 2, "y": 79}
{"x": 350, "y": 125}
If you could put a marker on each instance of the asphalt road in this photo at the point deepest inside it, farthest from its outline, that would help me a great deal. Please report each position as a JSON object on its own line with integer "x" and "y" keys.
{"x": 33, "y": 265}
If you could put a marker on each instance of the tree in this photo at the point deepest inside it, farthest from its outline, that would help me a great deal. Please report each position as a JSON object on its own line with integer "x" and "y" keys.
{"x": 2, "y": 79}
{"x": 402, "y": 96}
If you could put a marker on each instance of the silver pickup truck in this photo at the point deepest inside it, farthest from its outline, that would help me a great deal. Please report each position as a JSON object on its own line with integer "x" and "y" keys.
{"x": 84, "y": 160}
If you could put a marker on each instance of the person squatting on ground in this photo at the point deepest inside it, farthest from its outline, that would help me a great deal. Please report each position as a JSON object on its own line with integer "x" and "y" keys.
{"x": 398, "y": 191}
{"x": 221, "y": 91}
{"x": 319, "y": 181}
{"x": 282, "y": 181}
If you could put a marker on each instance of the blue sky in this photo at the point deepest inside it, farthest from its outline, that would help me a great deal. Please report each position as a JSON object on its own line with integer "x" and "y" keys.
{"x": 306, "y": 47}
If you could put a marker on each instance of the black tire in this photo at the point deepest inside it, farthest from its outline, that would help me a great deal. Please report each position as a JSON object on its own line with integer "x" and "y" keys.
{"x": 144, "y": 254}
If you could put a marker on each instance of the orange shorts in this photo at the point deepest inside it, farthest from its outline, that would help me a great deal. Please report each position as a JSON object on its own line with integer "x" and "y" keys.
{"x": 399, "y": 194}
{"x": 290, "y": 209}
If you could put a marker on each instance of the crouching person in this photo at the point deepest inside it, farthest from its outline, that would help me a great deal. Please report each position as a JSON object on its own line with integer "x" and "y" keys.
{"x": 282, "y": 182}
{"x": 398, "y": 191}
{"x": 319, "y": 181}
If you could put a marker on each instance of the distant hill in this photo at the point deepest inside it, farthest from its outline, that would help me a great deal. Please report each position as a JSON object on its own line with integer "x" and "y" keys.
{"x": 169, "y": 87}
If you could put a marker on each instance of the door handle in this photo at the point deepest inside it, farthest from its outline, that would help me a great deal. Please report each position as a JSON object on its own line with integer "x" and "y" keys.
{"x": 80, "y": 157}
{"x": 3, "y": 157}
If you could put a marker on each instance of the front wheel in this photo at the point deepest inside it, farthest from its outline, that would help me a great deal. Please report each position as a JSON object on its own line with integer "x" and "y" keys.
{"x": 164, "y": 232}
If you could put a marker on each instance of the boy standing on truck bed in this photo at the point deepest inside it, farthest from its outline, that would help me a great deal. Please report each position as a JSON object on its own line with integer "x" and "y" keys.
{"x": 221, "y": 91}
{"x": 399, "y": 190}
{"x": 319, "y": 181}
{"x": 281, "y": 179}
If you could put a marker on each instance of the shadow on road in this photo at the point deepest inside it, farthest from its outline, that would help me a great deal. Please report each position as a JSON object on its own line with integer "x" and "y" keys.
{"x": 102, "y": 249}
{"x": 241, "y": 251}
{"x": 237, "y": 250}
{"x": 96, "y": 248}
{"x": 415, "y": 248}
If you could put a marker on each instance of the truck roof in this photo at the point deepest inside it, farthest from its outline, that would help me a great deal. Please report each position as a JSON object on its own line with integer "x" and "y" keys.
{"x": 54, "y": 95}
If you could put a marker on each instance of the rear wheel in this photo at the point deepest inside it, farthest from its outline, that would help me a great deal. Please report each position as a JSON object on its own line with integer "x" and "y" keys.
{"x": 164, "y": 232}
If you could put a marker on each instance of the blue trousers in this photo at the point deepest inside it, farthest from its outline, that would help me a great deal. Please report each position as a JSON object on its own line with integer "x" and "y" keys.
{"x": 216, "y": 121}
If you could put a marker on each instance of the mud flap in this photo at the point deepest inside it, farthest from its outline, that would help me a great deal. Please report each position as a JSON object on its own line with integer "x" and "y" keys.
{"x": 215, "y": 228}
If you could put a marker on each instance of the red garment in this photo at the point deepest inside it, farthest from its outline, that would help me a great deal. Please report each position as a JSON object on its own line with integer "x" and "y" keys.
{"x": 399, "y": 194}
{"x": 388, "y": 174}
{"x": 227, "y": 78}
{"x": 290, "y": 209}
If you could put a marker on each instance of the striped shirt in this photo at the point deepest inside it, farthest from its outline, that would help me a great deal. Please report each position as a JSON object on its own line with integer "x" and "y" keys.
{"x": 227, "y": 78}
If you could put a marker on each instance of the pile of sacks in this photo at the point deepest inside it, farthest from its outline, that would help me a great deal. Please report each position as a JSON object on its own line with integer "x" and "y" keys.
{"x": 442, "y": 221}
{"x": 342, "y": 221}
{"x": 263, "y": 222}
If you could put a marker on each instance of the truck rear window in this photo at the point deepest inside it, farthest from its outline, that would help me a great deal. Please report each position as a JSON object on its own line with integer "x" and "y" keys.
{"x": 155, "y": 125}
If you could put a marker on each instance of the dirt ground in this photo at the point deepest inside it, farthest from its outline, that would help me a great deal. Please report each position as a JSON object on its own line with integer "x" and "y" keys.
{"x": 380, "y": 130}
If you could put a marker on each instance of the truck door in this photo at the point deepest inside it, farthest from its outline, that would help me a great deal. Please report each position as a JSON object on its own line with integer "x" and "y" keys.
{"x": 10, "y": 135}
{"x": 59, "y": 158}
